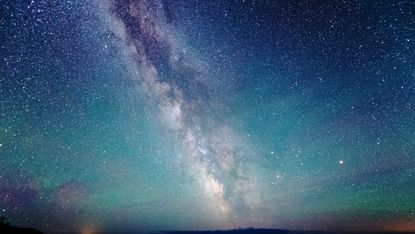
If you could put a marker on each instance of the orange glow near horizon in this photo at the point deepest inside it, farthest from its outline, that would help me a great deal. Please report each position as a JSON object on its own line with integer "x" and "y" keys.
{"x": 87, "y": 229}
{"x": 405, "y": 225}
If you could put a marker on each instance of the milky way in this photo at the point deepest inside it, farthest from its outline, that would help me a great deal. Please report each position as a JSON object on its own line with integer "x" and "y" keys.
{"x": 127, "y": 115}
{"x": 210, "y": 152}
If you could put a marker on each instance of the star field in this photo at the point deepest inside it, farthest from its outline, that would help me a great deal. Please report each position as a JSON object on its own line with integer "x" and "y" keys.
{"x": 125, "y": 115}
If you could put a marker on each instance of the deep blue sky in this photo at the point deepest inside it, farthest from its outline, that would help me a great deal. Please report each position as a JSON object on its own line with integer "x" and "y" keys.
{"x": 125, "y": 115}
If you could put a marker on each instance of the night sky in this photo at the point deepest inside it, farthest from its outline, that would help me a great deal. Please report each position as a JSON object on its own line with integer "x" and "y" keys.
{"x": 127, "y": 115}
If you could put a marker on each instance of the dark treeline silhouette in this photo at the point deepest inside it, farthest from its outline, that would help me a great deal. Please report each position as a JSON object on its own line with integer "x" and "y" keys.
{"x": 6, "y": 228}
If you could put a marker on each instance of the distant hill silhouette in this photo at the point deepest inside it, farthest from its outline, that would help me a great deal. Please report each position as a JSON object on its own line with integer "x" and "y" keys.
{"x": 275, "y": 231}
{"x": 5, "y": 228}
{"x": 233, "y": 231}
